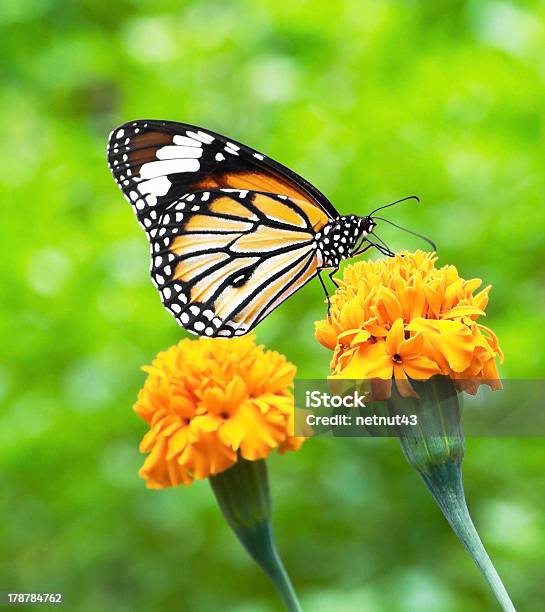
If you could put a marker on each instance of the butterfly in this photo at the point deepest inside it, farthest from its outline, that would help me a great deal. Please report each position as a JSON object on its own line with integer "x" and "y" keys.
{"x": 232, "y": 232}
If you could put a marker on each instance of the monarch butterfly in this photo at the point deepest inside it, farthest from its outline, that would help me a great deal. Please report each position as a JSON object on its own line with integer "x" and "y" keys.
{"x": 233, "y": 233}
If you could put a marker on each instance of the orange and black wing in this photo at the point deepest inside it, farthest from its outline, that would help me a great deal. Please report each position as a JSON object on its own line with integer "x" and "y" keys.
{"x": 155, "y": 163}
{"x": 224, "y": 259}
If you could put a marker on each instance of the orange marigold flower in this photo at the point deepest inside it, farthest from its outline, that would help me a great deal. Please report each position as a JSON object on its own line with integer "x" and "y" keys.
{"x": 209, "y": 401}
{"x": 403, "y": 318}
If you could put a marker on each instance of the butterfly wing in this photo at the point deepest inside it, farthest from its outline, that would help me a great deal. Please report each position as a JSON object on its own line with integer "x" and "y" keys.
{"x": 231, "y": 230}
{"x": 157, "y": 162}
{"x": 224, "y": 259}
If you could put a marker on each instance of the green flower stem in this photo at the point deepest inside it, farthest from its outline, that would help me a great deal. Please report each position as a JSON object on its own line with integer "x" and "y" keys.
{"x": 243, "y": 495}
{"x": 435, "y": 448}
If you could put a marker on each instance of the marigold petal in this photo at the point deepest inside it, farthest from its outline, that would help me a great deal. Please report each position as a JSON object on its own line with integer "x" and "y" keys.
{"x": 414, "y": 304}
{"x": 293, "y": 443}
{"x": 380, "y": 390}
{"x": 411, "y": 347}
{"x": 235, "y": 393}
{"x": 471, "y": 285}
{"x": 388, "y": 305}
{"x": 462, "y": 311}
{"x": 481, "y": 299}
{"x": 360, "y": 338}
{"x": 178, "y": 442}
{"x": 147, "y": 442}
{"x": 281, "y": 379}
{"x": 402, "y": 383}
{"x": 206, "y": 422}
{"x": 468, "y": 386}
{"x": 434, "y": 301}
{"x": 449, "y": 341}
{"x": 347, "y": 337}
{"x": 207, "y": 456}
{"x": 213, "y": 400}
{"x": 155, "y": 461}
{"x": 492, "y": 340}
{"x": 420, "y": 368}
{"x": 260, "y": 435}
{"x": 375, "y": 328}
{"x": 376, "y": 362}
{"x": 325, "y": 334}
{"x": 491, "y": 376}
{"x": 231, "y": 433}
{"x": 395, "y": 337}
{"x": 352, "y": 366}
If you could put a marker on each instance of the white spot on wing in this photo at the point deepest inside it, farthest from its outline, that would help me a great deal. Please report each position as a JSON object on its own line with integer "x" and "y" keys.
{"x": 206, "y": 138}
{"x": 185, "y": 141}
{"x": 178, "y": 152}
{"x": 169, "y": 166}
{"x": 158, "y": 186}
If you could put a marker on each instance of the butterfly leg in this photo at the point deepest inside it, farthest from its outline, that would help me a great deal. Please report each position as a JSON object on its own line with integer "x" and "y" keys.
{"x": 332, "y": 279}
{"x": 325, "y": 291}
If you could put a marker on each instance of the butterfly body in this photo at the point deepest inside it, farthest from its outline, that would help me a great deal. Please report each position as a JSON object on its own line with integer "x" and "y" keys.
{"x": 232, "y": 232}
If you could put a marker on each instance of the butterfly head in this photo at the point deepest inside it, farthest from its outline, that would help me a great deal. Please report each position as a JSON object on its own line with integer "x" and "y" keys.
{"x": 365, "y": 226}
{"x": 364, "y": 237}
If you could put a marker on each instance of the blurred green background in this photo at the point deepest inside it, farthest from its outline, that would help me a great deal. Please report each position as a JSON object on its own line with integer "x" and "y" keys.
{"x": 371, "y": 101}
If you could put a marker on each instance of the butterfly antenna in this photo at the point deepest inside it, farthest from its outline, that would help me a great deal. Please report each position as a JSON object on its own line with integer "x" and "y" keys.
{"x": 425, "y": 238}
{"x": 412, "y": 197}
